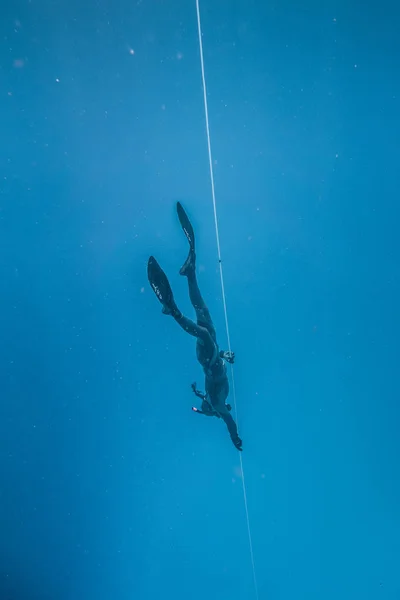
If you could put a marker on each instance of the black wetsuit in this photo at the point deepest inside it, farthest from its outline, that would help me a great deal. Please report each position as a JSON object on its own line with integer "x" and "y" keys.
{"x": 208, "y": 354}
{"x": 216, "y": 379}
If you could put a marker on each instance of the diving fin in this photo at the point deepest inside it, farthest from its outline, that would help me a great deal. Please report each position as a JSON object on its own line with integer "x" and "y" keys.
{"x": 161, "y": 287}
{"x": 186, "y": 225}
{"x": 190, "y": 263}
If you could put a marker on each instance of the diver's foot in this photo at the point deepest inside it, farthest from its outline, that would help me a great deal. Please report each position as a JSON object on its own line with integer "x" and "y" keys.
{"x": 172, "y": 311}
{"x": 189, "y": 265}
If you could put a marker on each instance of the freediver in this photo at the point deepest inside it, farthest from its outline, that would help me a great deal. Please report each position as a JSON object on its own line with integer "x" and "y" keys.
{"x": 208, "y": 354}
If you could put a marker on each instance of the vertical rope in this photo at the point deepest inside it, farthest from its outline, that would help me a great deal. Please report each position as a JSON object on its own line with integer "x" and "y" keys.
{"x": 210, "y": 161}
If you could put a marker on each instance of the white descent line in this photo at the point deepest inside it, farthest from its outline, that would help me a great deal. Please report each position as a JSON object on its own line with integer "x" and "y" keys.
{"x": 210, "y": 161}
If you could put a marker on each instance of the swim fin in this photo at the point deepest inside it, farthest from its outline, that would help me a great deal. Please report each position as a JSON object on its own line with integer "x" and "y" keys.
{"x": 190, "y": 263}
{"x": 186, "y": 225}
{"x": 161, "y": 287}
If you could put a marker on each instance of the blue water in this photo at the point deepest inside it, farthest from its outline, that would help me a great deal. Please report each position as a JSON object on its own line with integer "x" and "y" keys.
{"x": 111, "y": 488}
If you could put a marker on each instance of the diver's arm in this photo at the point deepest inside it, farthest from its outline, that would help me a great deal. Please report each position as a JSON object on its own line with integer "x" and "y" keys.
{"x": 232, "y": 428}
{"x": 230, "y": 423}
{"x": 197, "y": 392}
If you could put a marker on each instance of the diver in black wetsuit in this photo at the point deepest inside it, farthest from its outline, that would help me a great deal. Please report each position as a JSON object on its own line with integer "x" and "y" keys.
{"x": 208, "y": 353}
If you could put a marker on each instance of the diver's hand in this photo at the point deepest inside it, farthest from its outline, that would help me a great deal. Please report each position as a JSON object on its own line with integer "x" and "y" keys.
{"x": 228, "y": 356}
{"x": 237, "y": 442}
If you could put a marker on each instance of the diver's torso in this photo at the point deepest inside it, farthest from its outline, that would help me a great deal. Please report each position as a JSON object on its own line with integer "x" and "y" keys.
{"x": 216, "y": 383}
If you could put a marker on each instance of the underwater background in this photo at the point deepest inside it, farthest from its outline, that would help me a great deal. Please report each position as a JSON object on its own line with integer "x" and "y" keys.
{"x": 110, "y": 486}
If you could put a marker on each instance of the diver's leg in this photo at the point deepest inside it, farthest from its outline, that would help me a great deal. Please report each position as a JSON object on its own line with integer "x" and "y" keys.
{"x": 188, "y": 325}
{"x": 202, "y": 313}
{"x": 188, "y": 270}
{"x": 205, "y": 347}
{"x": 194, "y": 291}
